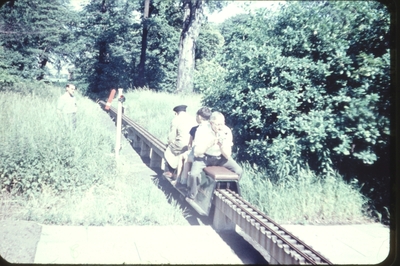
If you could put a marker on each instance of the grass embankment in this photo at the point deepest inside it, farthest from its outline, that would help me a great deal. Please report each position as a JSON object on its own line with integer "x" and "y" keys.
{"x": 305, "y": 198}
{"x": 54, "y": 175}
{"x": 60, "y": 176}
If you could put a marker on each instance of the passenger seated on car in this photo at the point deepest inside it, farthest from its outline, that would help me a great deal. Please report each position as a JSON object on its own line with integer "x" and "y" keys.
{"x": 213, "y": 148}
{"x": 178, "y": 139}
{"x": 202, "y": 118}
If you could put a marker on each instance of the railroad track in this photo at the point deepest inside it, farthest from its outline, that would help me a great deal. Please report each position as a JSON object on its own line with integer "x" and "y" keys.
{"x": 282, "y": 246}
{"x": 276, "y": 244}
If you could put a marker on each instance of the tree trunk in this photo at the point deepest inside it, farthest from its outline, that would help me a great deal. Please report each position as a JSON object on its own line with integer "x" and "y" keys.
{"x": 141, "y": 82}
{"x": 192, "y": 21}
{"x": 102, "y": 57}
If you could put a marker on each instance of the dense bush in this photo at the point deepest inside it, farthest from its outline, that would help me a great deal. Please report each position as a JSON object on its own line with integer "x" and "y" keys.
{"x": 310, "y": 87}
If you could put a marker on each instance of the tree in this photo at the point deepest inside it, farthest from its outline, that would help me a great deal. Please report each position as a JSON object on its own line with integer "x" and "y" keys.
{"x": 193, "y": 18}
{"x": 141, "y": 79}
{"x": 157, "y": 68}
{"x": 108, "y": 43}
{"x": 33, "y": 34}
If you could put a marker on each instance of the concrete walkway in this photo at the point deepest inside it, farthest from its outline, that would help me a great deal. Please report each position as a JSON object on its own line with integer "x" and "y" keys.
{"x": 139, "y": 245}
{"x": 348, "y": 244}
{"x": 341, "y": 244}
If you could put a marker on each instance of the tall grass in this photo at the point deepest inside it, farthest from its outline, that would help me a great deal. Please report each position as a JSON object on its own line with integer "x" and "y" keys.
{"x": 303, "y": 198}
{"x": 53, "y": 174}
{"x": 153, "y": 110}
{"x": 38, "y": 148}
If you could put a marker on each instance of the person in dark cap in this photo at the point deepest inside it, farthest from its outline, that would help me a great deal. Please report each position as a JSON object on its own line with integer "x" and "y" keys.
{"x": 179, "y": 108}
{"x": 178, "y": 139}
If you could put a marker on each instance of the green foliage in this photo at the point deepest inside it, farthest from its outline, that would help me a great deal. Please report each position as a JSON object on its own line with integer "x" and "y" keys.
{"x": 208, "y": 72}
{"x": 303, "y": 75}
{"x": 32, "y": 34}
{"x": 164, "y": 25}
{"x": 108, "y": 43}
{"x": 100, "y": 46}
{"x": 208, "y": 76}
{"x": 309, "y": 86}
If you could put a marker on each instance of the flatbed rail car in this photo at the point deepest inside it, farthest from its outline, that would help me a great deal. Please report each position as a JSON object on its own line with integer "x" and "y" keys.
{"x": 219, "y": 191}
{"x": 212, "y": 178}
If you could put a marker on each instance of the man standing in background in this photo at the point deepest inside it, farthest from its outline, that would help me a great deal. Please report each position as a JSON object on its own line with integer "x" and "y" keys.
{"x": 66, "y": 106}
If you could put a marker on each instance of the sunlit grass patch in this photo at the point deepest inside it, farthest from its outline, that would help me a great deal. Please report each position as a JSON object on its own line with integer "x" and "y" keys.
{"x": 153, "y": 110}
{"x": 306, "y": 198}
{"x": 103, "y": 204}
{"x": 56, "y": 175}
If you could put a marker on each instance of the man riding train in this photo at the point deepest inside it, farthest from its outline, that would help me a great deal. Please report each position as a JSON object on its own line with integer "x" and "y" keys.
{"x": 178, "y": 139}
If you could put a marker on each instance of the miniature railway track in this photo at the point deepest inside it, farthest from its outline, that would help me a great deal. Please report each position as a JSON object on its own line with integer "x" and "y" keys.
{"x": 276, "y": 244}
{"x": 282, "y": 246}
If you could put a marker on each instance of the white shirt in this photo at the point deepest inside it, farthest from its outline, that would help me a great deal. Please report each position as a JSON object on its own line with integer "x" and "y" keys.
{"x": 206, "y": 136}
{"x": 67, "y": 104}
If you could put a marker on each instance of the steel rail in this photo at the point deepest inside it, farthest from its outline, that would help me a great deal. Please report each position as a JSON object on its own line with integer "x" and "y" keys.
{"x": 255, "y": 214}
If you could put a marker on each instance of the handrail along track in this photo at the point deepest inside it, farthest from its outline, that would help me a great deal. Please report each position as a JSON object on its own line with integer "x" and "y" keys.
{"x": 275, "y": 243}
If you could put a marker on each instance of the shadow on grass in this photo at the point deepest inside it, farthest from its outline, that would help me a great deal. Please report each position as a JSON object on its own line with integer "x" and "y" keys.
{"x": 173, "y": 195}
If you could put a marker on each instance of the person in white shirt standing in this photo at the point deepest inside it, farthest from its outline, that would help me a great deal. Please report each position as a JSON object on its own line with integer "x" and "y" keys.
{"x": 66, "y": 106}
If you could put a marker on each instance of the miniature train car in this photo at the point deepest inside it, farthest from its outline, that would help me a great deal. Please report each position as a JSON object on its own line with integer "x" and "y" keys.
{"x": 212, "y": 178}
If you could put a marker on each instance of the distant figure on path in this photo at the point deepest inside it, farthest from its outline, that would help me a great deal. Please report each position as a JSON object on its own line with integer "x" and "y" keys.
{"x": 66, "y": 106}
